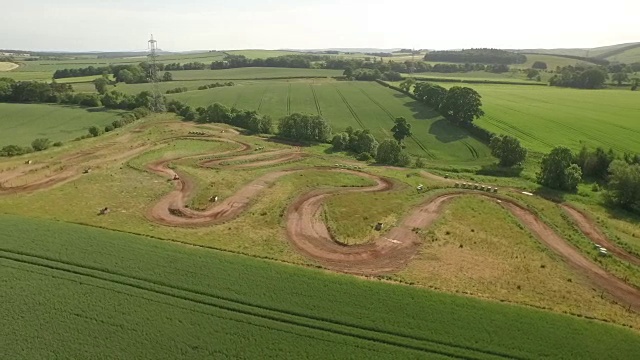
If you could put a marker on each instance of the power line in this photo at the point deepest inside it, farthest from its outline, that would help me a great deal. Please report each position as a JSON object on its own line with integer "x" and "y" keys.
{"x": 158, "y": 100}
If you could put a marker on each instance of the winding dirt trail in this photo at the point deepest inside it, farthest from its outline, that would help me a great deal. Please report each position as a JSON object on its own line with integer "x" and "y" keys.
{"x": 306, "y": 231}
{"x": 593, "y": 232}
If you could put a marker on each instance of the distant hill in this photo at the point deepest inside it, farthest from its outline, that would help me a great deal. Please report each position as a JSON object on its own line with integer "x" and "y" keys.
{"x": 626, "y": 53}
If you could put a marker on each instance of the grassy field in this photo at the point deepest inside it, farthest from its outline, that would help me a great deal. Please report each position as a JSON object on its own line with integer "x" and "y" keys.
{"x": 356, "y": 104}
{"x": 252, "y": 73}
{"x": 627, "y": 57}
{"x": 228, "y": 306}
{"x": 543, "y": 117}
{"x": 21, "y": 123}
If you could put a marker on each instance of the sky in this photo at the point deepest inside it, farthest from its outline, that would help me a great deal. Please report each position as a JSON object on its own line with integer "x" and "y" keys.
{"x": 125, "y": 25}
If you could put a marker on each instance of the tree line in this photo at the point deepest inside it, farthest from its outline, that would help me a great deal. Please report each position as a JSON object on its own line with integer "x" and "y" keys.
{"x": 563, "y": 170}
{"x": 483, "y": 56}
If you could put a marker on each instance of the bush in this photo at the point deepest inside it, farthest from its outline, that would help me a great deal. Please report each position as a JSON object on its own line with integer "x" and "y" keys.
{"x": 95, "y": 131}
{"x": 14, "y": 150}
{"x": 624, "y": 186}
{"x": 557, "y": 170}
{"x": 363, "y": 156}
{"x": 419, "y": 163}
{"x": 340, "y": 141}
{"x": 57, "y": 143}
{"x": 389, "y": 153}
{"x": 108, "y": 128}
{"x": 508, "y": 150}
{"x": 141, "y": 112}
{"x": 40, "y": 144}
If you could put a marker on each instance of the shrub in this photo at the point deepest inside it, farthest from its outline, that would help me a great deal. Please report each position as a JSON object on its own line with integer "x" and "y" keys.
{"x": 108, "y": 128}
{"x": 95, "y": 131}
{"x": 419, "y": 163}
{"x": 57, "y": 143}
{"x": 40, "y": 144}
{"x": 363, "y": 156}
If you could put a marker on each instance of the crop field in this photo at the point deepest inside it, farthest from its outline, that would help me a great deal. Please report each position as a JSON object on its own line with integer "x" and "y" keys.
{"x": 542, "y": 117}
{"x": 356, "y": 104}
{"x": 252, "y": 73}
{"x": 516, "y": 77}
{"x": 115, "y": 284}
{"x": 262, "y": 54}
{"x": 21, "y": 123}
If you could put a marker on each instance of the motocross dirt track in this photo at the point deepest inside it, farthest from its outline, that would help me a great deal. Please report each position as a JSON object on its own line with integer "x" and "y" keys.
{"x": 306, "y": 230}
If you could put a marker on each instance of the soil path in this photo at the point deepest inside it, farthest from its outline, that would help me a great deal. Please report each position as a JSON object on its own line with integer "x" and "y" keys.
{"x": 305, "y": 228}
{"x": 593, "y": 232}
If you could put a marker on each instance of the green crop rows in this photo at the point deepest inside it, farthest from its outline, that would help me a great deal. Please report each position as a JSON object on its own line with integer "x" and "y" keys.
{"x": 161, "y": 300}
{"x": 357, "y": 104}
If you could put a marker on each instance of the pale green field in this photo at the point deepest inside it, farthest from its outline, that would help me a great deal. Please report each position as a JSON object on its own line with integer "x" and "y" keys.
{"x": 22, "y": 123}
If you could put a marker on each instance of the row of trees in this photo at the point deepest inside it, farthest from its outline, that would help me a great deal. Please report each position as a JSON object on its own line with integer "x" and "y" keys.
{"x": 287, "y": 61}
{"x": 484, "y": 56}
{"x": 458, "y": 104}
{"x": 303, "y": 127}
{"x": 579, "y": 77}
{"x": 39, "y": 144}
{"x": 218, "y": 113}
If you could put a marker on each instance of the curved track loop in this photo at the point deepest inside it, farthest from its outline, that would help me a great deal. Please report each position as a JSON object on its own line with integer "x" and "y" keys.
{"x": 391, "y": 252}
{"x": 305, "y": 229}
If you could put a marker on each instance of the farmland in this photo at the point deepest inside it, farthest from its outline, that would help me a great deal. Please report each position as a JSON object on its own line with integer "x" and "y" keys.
{"x": 263, "y": 305}
{"x": 169, "y": 238}
{"x": 343, "y": 104}
{"x": 21, "y": 123}
{"x": 542, "y": 117}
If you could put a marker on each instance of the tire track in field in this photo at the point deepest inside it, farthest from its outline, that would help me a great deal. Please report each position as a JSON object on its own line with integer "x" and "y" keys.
{"x": 266, "y": 89}
{"x": 289, "y": 100}
{"x": 514, "y": 130}
{"x": 392, "y": 117}
{"x": 236, "y": 306}
{"x": 472, "y": 150}
{"x": 346, "y": 103}
{"x": 315, "y": 99}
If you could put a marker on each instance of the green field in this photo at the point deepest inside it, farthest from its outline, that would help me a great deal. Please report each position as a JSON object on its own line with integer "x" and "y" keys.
{"x": 252, "y": 73}
{"x": 357, "y": 104}
{"x": 98, "y": 293}
{"x": 627, "y": 57}
{"x": 21, "y": 123}
{"x": 262, "y": 54}
{"x": 543, "y": 117}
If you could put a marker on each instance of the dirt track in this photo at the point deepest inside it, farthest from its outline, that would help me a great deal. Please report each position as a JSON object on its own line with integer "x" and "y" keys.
{"x": 305, "y": 229}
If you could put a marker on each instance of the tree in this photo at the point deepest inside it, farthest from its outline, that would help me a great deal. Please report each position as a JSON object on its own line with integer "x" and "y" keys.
{"x": 531, "y": 73}
{"x": 348, "y": 73}
{"x": 40, "y": 144}
{"x": 95, "y": 131}
{"x": 624, "y": 185}
{"x": 557, "y": 170}
{"x": 101, "y": 85}
{"x": 431, "y": 94}
{"x": 388, "y": 152}
{"x": 540, "y": 65}
{"x": 340, "y": 141}
{"x": 401, "y": 129}
{"x": 462, "y": 104}
{"x": 305, "y": 128}
{"x": 407, "y": 84}
{"x": 167, "y": 76}
{"x": 620, "y": 77}
{"x": 508, "y": 150}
